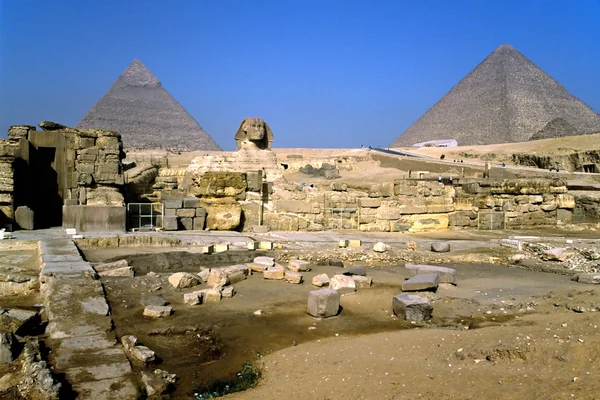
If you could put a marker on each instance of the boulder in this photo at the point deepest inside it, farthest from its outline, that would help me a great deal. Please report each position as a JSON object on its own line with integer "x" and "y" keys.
{"x": 277, "y": 272}
{"x": 440, "y": 247}
{"x": 228, "y": 292}
{"x": 157, "y": 311}
{"x": 24, "y": 217}
{"x": 293, "y": 277}
{"x": 342, "y": 284}
{"x": 591, "y": 278}
{"x": 182, "y": 280}
{"x": 192, "y": 299}
{"x": 153, "y": 301}
{"x": 446, "y": 275}
{"x": 421, "y": 282}
{"x": 380, "y": 247}
{"x": 320, "y": 280}
{"x": 8, "y": 344}
{"x": 128, "y": 341}
{"x": 412, "y": 307}
{"x": 362, "y": 281}
{"x": 298, "y": 265}
{"x": 204, "y": 274}
{"x": 217, "y": 277}
{"x": 121, "y": 272}
{"x": 323, "y": 303}
{"x": 257, "y": 267}
{"x": 143, "y": 354}
{"x": 558, "y": 254}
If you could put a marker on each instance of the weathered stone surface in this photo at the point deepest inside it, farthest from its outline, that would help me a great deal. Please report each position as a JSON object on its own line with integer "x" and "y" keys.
{"x": 173, "y": 204}
{"x": 412, "y": 307}
{"x": 228, "y": 292}
{"x": 446, "y": 275}
{"x": 293, "y": 277}
{"x": 565, "y": 200}
{"x": 143, "y": 354}
{"x": 24, "y": 217}
{"x": 153, "y": 301}
{"x": 591, "y": 278}
{"x": 128, "y": 341}
{"x": 299, "y": 265}
{"x": 440, "y": 247}
{"x": 158, "y": 384}
{"x": 217, "y": 184}
{"x": 8, "y": 344}
{"x": 182, "y": 280}
{"x": 342, "y": 284}
{"x": 170, "y": 223}
{"x": 191, "y": 202}
{"x": 217, "y": 277}
{"x": 120, "y": 272}
{"x": 257, "y": 267}
{"x": 192, "y": 299}
{"x": 186, "y": 212}
{"x": 362, "y": 281}
{"x": 211, "y": 295}
{"x": 321, "y": 280}
{"x": 277, "y": 272}
{"x": 111, "y": 265}
{"x": 236, "y": 273}
{"x": 323, "y": 303}
{"x": 204, "y": 274}
{"x": 357, "y": 270}
{"x": 558, "y": 254}
{"x": 199, "y": 222}
{"x": 336, "y": 263}
{"x": 157, "y": 311}
{"x": 264, "y": 260}
{"x": 421, "y": 282}
{"x": 380, "y": 247}
{"x": 222, "y": 214}
{"x": 18, "y": 321}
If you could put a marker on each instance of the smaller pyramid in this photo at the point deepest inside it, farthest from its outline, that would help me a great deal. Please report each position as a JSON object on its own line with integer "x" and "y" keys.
{"x": 146, "y": 115}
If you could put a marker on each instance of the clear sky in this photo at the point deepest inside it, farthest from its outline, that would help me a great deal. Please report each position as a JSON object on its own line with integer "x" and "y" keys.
{"x": 322, "y": 73}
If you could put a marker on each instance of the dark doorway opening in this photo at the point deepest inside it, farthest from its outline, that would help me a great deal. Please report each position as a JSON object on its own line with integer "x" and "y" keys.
{"x": 46, "y": 201}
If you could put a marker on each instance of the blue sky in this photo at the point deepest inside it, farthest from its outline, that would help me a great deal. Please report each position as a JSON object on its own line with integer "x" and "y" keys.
{"x": 328, "y": 73}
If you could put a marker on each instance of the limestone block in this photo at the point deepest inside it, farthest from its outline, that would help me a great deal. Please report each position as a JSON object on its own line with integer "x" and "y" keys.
{"x": 128, "y": 341}
{"x": 208, "y": 249}
{"x": 421, "y": 282}
{"x": 218, "y": 184}
{"x": 293, "y": 277}
{"x": 362, "y": 281}
{"x": 446, "y": 275}
{"x": 565, "y": 200}
{"x": 191, "y": 202}
{"x": 264, "y": 260}
{"x": 336, "y": 263}
{"x": 343, "y": 284}
{"x": 320, "y": 280}
{"x": 252, "y": 245}
{"x": 104, "y": 195}
{"x": 405, "y": 188}
{"x": 558, "y": 254}
{"x": 293, "y": 206}
{"x": 428, "y": 222}
{"x": 299, "y": 265}
{"x": 257, "y": 267}
{"x": 200, "y": 212}
{"x": 143, "y": 354}
{"x": 222, "y": 214}
{"x": 323, "y": 303}
{"x": 221, "y": 247}
{"x": 228, "y": 292}
{"x": 198, "y": 223}
{"x": 186, "y": 212}
{"x": 157, "y": 311}
{"x": 153, "y": 301}
{"x": 217, "y": 277}
{"x": 551, "y": 206}
{"x": 236, "y": 273}
{"x": 121, "y": 272}
{"x": 343, "y": 243}
{"x": 170, "y": 212}
{"x": 182, "y": 280}
{"x": 254, "y": 181}
{"x": 192, "y": 299}
{"x": 211, "y": 295}
{"x": 173, "y": 204}
{"x": 412, "y": 307}
{"x": 24, "y": 217}
{"x": 354, "y": 243}
{"x": 380, "y": 247}
{"x": 440, "y": 247}
{"x": 339, "y": 187}
{"x": 356, "y": 270}
{"x": 591, "y": 278}
{"x": 186, "y": 223}
{"x": 275, "y": 273}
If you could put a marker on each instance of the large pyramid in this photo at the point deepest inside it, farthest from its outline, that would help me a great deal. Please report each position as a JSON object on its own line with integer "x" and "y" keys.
{"x": 506, "y": 98}
{"x": 146, "y": 115}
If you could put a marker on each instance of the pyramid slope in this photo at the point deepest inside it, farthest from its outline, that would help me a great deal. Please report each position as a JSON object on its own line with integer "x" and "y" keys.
{"x": 146, "y": 115}
{"x": 506, "y": 98}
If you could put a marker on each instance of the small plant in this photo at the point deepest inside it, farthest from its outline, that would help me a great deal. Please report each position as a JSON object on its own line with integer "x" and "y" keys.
{"x": 245, "y": 379}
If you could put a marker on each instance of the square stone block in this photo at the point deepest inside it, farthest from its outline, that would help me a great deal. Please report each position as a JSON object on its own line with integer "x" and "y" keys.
{"x": 412, "y": 307}
{"x": 191, "y": 202}
{"x": 323, "y": 303}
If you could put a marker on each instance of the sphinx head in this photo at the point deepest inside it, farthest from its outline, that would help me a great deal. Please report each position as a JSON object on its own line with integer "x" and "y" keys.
{"x": 253, "y": 133}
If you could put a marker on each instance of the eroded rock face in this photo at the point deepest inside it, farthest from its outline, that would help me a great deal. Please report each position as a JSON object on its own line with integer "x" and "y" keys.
{"x": 182, "y": 280}
{"x": 253, "y": 134}
{"x": 222, "y": 214}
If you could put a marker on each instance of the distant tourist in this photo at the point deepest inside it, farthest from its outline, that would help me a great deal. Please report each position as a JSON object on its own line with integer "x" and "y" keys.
{"x": 450, "y": 180}
{"x": 440, "y": 179}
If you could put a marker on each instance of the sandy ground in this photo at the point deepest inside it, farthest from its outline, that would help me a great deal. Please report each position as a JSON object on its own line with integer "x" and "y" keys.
{"x": 518, "y": 335}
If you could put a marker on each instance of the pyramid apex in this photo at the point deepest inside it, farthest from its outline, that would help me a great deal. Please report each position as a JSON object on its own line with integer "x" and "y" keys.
{"x": 136, "y": 74}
